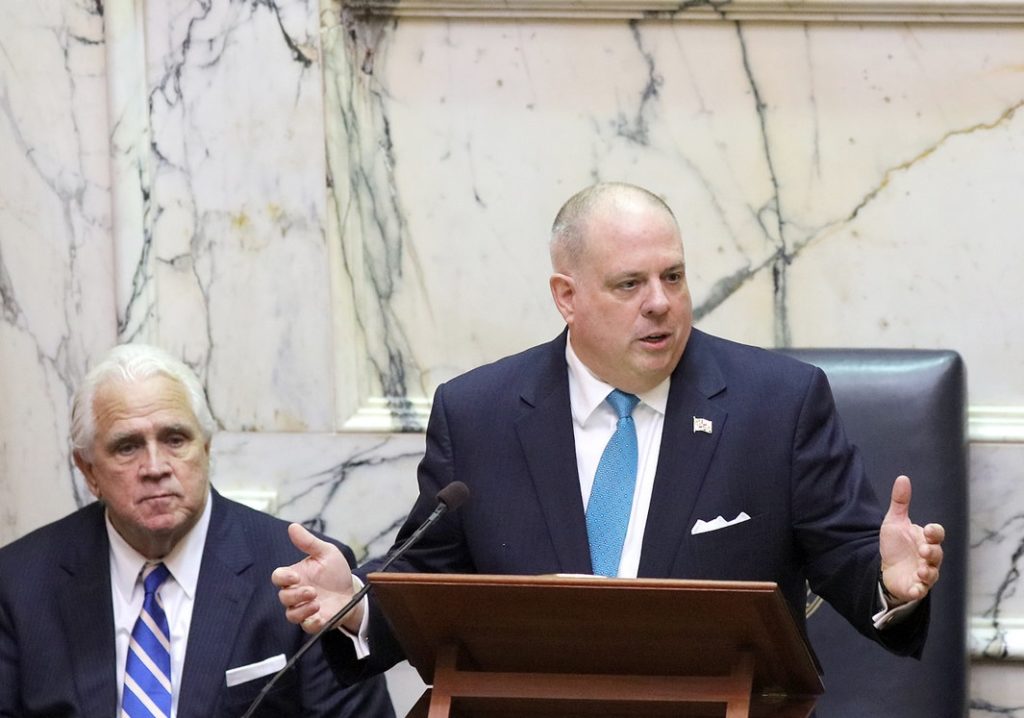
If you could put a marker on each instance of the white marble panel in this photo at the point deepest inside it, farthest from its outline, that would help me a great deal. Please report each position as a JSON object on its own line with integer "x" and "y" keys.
{"x": 794, "y": 155}
{"x": 996, "y": 689}
{"x": 357, "y": 488}
{"x": 130, "y": 141}
{"x": 997, "y": 548}
{"x": 931, "y": 256}
{"x": 56, "y": 297}
{"x": 232, "y": 268}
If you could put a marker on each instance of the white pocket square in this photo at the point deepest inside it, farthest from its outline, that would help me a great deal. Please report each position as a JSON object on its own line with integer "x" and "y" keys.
{"x": 719, "y": 522}
{"x": 244, "y": 674}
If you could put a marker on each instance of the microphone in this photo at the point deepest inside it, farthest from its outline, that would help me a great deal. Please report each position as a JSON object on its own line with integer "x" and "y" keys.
{"x": 449, "y": 498}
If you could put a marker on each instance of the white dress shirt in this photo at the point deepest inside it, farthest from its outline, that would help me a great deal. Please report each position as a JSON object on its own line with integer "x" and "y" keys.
{"x": 593, "y": 423}
{"x": 178, "y": 595}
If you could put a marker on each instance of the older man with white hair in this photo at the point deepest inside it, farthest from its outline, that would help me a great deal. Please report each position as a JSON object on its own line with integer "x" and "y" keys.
{"x": 153, "y": 601}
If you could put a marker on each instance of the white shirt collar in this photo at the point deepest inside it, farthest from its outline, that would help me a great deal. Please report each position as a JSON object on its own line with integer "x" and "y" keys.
{"x": 587, "y": 392}
{"x": 183, "y": 561}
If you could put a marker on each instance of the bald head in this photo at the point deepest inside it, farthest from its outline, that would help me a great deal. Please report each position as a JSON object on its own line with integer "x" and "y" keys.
{"x": 569, "y": 230}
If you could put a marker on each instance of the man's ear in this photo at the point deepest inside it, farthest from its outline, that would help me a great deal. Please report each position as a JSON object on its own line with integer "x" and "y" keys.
{"x": 86, "y": 468}
{"x": 563, "y": 291}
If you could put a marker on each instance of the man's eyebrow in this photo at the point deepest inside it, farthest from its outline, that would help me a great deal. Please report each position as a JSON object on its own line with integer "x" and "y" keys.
{"x": 634, "y": 273}
{"x": 123, "y": 437}
{"x": 176, "y": 428}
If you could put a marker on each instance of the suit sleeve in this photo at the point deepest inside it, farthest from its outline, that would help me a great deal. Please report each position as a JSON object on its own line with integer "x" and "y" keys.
{"x": 837, "y": 518}
{"x": 440, "y": 550}
{"x": 322, "y": 697}
{"x": 318, "y": 692}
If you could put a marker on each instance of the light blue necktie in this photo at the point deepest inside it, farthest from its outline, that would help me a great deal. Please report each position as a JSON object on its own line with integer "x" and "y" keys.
{"x": 147, "y": 677}
{"x": 611, "y": 498}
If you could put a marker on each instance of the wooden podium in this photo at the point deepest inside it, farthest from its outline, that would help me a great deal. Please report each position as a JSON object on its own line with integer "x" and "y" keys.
{"x": 567, "y": 646}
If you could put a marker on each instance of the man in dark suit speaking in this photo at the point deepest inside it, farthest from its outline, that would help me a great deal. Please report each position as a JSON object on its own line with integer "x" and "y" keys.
{"x": 634, "y": 445}
{"x": 153, "y": 601}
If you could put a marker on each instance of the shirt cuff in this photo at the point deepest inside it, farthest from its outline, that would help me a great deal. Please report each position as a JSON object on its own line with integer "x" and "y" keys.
{"x": 889, "y": 616}
{"x": 360, "y": 640}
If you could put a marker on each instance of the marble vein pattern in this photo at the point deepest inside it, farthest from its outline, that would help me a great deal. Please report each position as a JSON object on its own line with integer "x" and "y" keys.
{"x": 56, "y": 306}
{"x": 997, "y": 551}
{"x": 375, "y": 258}
{"x": 992, "y": 691}
{"x": 357, "y": 488}
{"x": 226, "y": 263}
{"x": 804, "y": 161}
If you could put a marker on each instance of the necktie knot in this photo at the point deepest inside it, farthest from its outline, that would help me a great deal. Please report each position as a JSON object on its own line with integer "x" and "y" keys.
{"x": 622, "y": 402}
{"x": 153, "y": 576}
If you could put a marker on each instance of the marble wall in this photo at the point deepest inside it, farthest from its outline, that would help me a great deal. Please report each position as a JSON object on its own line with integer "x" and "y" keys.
{"x": 329, "y": 208}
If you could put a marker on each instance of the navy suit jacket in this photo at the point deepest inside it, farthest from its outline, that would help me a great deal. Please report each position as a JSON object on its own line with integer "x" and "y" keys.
{"x": 776, "y": 450}
{"x": 57, "y": 634}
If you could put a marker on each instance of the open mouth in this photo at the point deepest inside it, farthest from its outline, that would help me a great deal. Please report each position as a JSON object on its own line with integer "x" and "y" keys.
{"x": 655, "y": 339}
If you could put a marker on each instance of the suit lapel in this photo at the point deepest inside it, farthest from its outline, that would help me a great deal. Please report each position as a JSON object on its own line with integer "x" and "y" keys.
{"x": 684, "y": 457}
{"x": 548, "y": 443}
{"x": 87, "y": 614}
{"x": 220, "y": 606}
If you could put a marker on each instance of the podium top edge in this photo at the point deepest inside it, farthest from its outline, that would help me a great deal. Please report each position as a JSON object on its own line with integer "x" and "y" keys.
{"x": 568, "y": 580}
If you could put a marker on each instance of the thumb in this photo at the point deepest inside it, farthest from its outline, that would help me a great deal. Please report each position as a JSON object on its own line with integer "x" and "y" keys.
{"x": 899, "y": 505}
{"x": 306, "y": 542}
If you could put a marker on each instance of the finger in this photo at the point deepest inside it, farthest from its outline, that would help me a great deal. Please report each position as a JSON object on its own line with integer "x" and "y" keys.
{"x": 306, "y": 542}
{"x": 927, "y": 549}
{"x": 935, "y": 533}
{"x": 299, "y": 614}
{"x": 928, "y": 576}
{"x": 284, "y": 577}
{"x": 899, "y": 505}
{"x": 295, "y": 597}
{"x": 930, "y": 552}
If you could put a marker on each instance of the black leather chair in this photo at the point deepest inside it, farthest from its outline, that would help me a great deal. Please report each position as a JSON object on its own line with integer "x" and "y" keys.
{"x": 906, "y": 411}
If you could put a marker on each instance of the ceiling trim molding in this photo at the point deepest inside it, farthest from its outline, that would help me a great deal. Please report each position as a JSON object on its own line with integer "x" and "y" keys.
{"x": 878, "y": 11}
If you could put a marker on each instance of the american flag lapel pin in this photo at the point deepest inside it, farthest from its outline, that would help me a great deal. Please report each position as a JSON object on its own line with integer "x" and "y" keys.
{"x": 701, "y": 424}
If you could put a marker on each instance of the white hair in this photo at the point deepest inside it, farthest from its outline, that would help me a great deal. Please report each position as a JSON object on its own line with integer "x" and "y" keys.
{"x": 132, "y": 363}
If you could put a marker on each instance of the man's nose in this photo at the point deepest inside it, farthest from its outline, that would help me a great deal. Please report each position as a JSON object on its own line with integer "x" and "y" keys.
{"x": 154, "y": 463}
{"x": 656, "y": 301}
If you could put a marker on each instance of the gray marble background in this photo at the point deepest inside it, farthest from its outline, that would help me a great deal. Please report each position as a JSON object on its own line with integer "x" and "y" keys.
{"x": 328, "y": 212}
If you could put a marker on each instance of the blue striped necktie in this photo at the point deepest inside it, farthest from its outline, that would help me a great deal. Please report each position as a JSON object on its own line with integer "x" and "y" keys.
{"x": 147, "y": 676}
{"x": 611, "y": 498}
